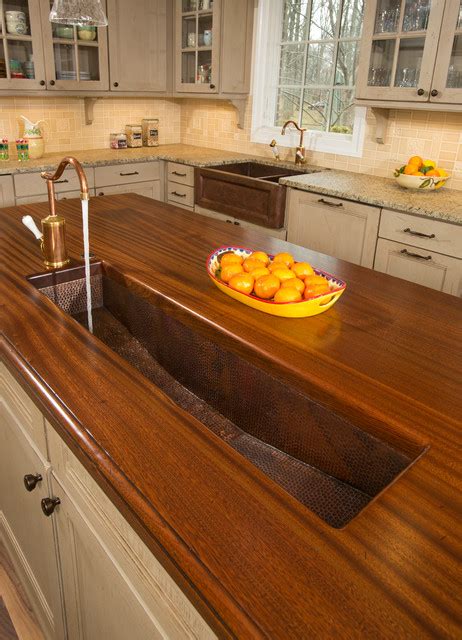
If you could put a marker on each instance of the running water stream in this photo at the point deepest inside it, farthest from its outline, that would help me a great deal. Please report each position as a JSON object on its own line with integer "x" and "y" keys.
{"x": 86, "y": 251}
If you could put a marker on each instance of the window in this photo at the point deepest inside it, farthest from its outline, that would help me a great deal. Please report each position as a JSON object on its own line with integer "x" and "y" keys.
{"x": 306, "y": 58}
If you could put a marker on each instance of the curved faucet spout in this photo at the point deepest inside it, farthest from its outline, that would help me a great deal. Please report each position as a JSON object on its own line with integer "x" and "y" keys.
{"x": 300, "y": 151}
{"x": 51, "y": 178}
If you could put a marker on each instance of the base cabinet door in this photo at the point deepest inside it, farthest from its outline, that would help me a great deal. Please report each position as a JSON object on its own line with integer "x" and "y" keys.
{"x": 149, "y": 189}
{"x": 25, "y": 531}
{"x": 421, "y": 266}
{"x": 6, "y": 191}
{"x": 338, "y": 228}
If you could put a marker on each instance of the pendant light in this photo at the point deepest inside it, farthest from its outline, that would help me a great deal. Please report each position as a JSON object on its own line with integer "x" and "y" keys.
{"x": 78, "y": 12}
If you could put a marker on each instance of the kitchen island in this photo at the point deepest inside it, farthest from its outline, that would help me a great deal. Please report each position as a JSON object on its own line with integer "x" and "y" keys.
{"x": 252, "y": 559}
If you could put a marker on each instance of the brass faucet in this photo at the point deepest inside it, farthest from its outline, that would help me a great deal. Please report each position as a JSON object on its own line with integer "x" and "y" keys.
{"x": 300, "y": 157}
{"x": 53, "y": 241}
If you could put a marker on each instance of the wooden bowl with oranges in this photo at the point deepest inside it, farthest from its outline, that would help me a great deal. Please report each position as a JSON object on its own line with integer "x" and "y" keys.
{"x": 274, "y": 284}
{"x": 421, "y": 174}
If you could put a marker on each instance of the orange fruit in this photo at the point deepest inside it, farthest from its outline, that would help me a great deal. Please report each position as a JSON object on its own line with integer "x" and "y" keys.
{"x": 287, "y": 294}
{"x": 283, "y": 273}
{"x": 266, "y": 286}
{"x": 417, "y": 173}
{"x": 259, "y": 272}
{"x": 302, "y": 269}
{"x": 242, "y": 282}
{"x": 250, "y": 264}
{"x": 409, "y": 169}
{"x": 314, "y": 279}
{"x": 433, "y": 172}
{"x": 230, "y": 258}
{"x": 286, "y": 258}
{"x": 294, "y": 283}
{"x": 260, "y": 255}
{"x": 415, "y": 160}
{"x": 316, "y": 290}
{"x": 230, "y": 270}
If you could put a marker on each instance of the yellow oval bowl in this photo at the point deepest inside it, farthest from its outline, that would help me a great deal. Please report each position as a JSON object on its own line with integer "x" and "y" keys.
{"x": 301, "y": 309}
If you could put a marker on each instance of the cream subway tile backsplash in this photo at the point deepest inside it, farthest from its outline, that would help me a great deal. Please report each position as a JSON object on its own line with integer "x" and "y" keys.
{"x": 65, "y": 127}
{"x": 435, "y": 135}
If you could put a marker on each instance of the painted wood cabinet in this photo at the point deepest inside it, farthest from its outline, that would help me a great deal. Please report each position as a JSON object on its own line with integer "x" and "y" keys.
{"x": 411, "y": 52}
{"x": 339, "y": 228}
{"x": 26, "y": 533}
{"x": 6, "y": 191}
{"x": 213, "y": 46}
{"x": 87, "y": 573}
{"x": 139, "y": 51}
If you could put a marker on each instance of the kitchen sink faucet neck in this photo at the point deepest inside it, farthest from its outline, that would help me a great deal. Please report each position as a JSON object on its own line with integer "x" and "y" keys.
{"x": 300, "y": 155}
{"x": 52, "y": 177}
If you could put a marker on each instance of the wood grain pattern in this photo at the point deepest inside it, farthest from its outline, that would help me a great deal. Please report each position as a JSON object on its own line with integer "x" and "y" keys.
{"x": 250, "y": 557}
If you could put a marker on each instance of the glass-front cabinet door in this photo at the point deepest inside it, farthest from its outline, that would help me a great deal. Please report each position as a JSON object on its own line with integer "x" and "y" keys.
{"x": 447, "y": 81}
{"x": 75, "y": 57}
{"x": 197, "y": 37}
{"x": 21, "y": 49}
{"x": 400, "y": 45}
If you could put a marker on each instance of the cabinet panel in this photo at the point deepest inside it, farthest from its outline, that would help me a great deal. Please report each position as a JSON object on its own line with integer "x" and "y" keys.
{"x": 236, "y": 47}
{"x": 447, "y": 80}
{"x": 420, "y": 266}
{"x": 435, "y": 235}
{"x": 27, "y": 533}
{"x": 181, "y": 173}
{"x": 138, "y": 45}
{"x": 6, "y": 191}
{"x": 28, "y": 184}
{"x": 180, "y": 194}
{"x": 148, "y": 189}
{"x": 339, "y": 228}
{"x": 119, "y": 174}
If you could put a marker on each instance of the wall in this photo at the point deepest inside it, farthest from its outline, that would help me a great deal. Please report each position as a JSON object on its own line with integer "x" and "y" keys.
{"x": 65, "y": 128}
{"x": 436, "y": 136}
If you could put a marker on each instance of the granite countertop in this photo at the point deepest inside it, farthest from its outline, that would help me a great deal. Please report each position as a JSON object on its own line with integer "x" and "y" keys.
{"x": 445, "y": 204}
{"x": 182, "y": 153}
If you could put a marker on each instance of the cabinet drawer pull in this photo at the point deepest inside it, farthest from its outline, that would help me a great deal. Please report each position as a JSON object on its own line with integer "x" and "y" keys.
{"x": 49, "y": 505}
{"x": 418, "y": 233}
{"x": 101, "y": 193}
{"x": 61, "y": 181}
{"x": 415, "y": 255}
{"x": 129, "y": 173}
{"x": 178, "y": 195}
{"x": 238, "y": 223}
{"x": 31, "y": 480}
{"x": 229, "y": 221}
{"x": 330, "y": 204}
{"x": 177, "y": 173}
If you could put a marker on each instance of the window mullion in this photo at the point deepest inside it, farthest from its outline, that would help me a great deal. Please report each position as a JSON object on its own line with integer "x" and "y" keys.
{"x": 334, "y": 67}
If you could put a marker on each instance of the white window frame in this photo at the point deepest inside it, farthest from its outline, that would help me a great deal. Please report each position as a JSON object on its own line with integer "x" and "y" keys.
{"x": 264, "y": 89}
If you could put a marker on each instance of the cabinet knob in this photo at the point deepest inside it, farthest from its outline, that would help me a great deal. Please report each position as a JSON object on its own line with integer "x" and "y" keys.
{"x": 433, "y": 93}
{"x": 420, "y": 92}
{"x": 212, "y": 86}
{"x": 101, "y": 193}
{"x": 31, "y": 480}
{"x": 42, "y": 83}
{"x": 116, "y": 84}
{"x": 52, "y": 82}
{"x": 49, "y": 505}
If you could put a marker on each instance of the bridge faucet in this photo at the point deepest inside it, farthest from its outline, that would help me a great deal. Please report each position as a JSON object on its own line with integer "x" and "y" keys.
{"x": 300, "y": 157}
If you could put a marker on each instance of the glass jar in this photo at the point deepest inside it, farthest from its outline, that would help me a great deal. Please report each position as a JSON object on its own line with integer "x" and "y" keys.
{"x": 150, "y": 130}
{"x": 118, "y": 141}
{"x": 134, "y": 135}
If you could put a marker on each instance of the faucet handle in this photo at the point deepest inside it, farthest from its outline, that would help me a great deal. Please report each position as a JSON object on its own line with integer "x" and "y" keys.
{"x": 29, "y": 222}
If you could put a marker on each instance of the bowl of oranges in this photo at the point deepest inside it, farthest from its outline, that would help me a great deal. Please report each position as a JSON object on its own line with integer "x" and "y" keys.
{"x": 275, "y": 284}
{"x": 421, "y": 174}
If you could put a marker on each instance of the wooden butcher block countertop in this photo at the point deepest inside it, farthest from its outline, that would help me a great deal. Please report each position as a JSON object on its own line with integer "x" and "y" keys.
{"x": 252, "y": 559}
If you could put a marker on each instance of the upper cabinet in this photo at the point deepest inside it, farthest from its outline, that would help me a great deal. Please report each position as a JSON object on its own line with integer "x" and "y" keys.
{"x": 21, "y": 48}
{"x": 212, "y": 46}
{"x": 138, "y": 36}
{"x": 411, "y": 52}
{"x": 75, "y": 57}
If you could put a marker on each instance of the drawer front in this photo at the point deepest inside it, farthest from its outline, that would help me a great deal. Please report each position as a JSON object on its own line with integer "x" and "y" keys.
{"x": 418, "y": 265}
{"x": 149, "y": 189}
{"x": 160, "y": 595}
{"x": 426, "y": 233}
{"x": 126, "y": 173}
{"x": 181, "y": 194}
{"x": 181, "y": 173}
{"x": 24, "y": 411}
{"x": 29, "y": 184}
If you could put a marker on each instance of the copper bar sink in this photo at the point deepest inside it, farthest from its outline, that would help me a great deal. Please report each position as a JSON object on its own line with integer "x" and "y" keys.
{"x": 246, "y": 190}
{"x": 324, "y": 461}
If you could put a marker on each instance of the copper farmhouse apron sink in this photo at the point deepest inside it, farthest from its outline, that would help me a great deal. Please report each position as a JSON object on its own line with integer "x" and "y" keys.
{"x": 246, "y": 190}
{"x": 321, "y": 459}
